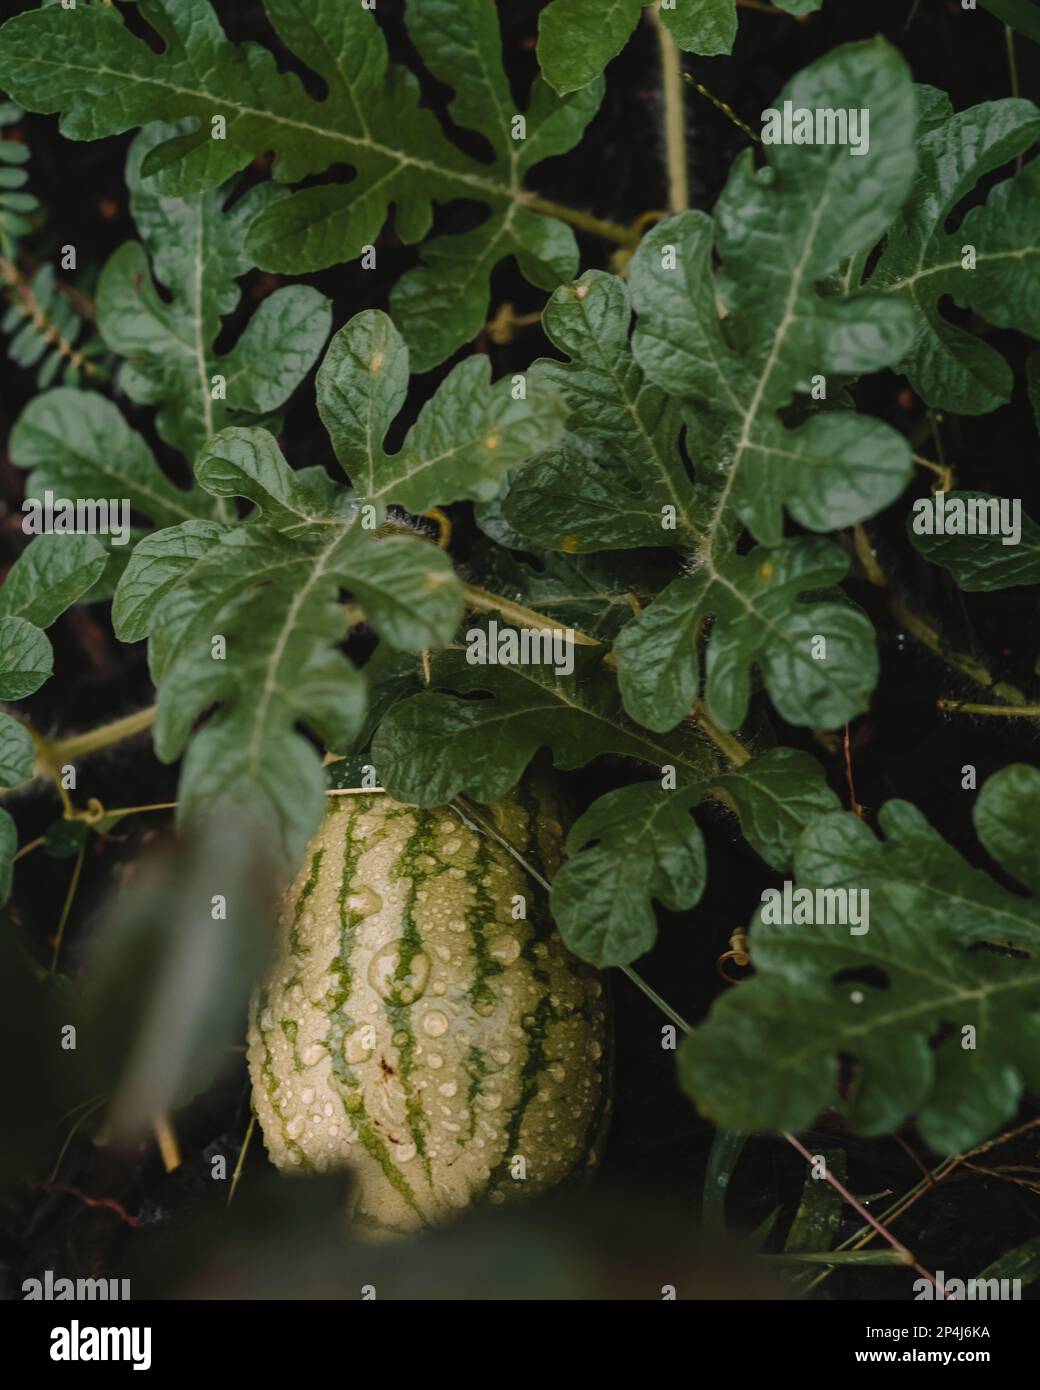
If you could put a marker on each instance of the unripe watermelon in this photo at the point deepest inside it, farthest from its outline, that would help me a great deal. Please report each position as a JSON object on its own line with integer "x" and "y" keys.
{"x": 414, "y": 1026}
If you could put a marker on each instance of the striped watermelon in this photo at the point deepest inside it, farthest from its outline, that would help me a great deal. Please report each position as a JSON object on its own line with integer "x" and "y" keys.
{"x": 414, "y": 1026}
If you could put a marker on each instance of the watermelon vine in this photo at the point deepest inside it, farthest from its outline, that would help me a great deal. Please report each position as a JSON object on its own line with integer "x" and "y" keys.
{"x": 363, "y": 555}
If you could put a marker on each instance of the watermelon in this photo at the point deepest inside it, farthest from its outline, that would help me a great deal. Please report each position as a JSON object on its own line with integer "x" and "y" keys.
{"x": 421, "y": 1022}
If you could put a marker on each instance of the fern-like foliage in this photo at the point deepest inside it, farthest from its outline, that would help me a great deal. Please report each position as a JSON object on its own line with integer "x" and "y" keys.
{"x": 16, "y": 202}
{"x": 46, "y": 330}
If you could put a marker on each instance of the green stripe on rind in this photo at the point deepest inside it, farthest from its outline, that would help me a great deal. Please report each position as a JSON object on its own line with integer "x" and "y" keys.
{"x": 419, "y": 842}
{"x": 476, "y": 1066}
{"x": 374, "y": 1144}
{"x": 532, "y": 1069}
{"x": 342, "y": 1024}
{"x": 271, "y": 1085}
{"x": 301, "y": 903}
{"x": 599, "y": 1121}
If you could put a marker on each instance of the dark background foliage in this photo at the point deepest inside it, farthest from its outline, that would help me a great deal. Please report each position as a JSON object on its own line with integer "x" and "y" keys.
{"x": 902, "y": 748}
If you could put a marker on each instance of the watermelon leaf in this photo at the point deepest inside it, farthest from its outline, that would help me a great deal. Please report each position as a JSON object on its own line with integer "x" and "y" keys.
{"x": 434, "y": 745}
{"x": 817, "y": 659}
{"x": 990, "y": 264}
{"x": 77, "y": 444}
{"x": 197, "y": 248}
{"x": 776, "y": 795}
{"x": 633, "y": 845}
{"x": 608, "y": 483}
{"x": 982, "y": 562}
{"x": 240, "y": 106}
{"x": 50, "y": 575}
{"x": 47, "y": 578}
{"x": 935, "y": 1004}
{"x": 247, "y": 618}
{"x": 729, "y": 386}
{"x": 465, "y": 439}
{"x": 578, "y": 38}
{"x": 17, "y": 755}
{"x": 640, "y": 843}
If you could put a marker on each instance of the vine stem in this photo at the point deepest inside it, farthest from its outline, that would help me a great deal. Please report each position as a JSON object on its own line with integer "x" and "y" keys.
{"x": 947, "y": 480}
{"x": 484, "y": 602}
{"x": 91, "y": 1108}
{"x": 480, "y": 599}
{"x": 927, "y": 635}
{"x": 584, "y": 221}
{"x": 67, "y": 907}
{"x": 241, "y": 1157}
{"x": 674, "y": 113}
{"x": 69, "y": 750}
{"x": 1005, "y": 711}
{"x": 724, "y": 107}
{"x": 52, "y": 755}
{"x": 655, "y": 998}
{"x": 728, "y": 744}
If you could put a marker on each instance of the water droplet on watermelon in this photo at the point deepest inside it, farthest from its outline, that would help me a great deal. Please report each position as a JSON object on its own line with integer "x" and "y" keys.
{"x": 358, "y": 1046}
{"x": 484, "y": 1004}
{"x": 435, "y": 1024}
{"x": 505, "y": 949}
{"x": 397, "y": 979}
{"x": 364, "y": 902}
